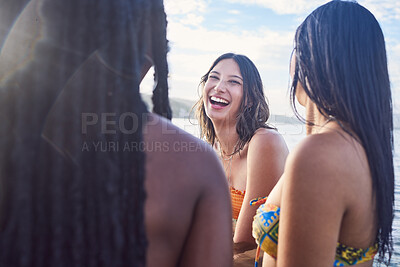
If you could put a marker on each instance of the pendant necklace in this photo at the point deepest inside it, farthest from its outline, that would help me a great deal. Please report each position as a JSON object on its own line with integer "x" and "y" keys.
{"x": 228, "y": 168}
{"x": 329, "y": 119}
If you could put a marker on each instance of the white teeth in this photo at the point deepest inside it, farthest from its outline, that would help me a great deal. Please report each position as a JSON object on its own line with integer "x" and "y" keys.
{"x": 220, "y": 100}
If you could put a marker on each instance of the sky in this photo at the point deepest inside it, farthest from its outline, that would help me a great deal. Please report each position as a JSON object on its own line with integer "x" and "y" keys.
{"x": 201, "y": 30}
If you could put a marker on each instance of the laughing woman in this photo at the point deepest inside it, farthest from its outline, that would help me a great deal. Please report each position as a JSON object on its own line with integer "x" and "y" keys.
{"x": 233, "y": 115}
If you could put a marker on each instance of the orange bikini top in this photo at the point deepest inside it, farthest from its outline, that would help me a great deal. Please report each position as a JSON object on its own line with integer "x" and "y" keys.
{"x": 237, "y": 197}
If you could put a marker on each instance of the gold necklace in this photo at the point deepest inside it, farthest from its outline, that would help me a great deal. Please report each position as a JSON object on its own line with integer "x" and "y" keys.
{"x": 224, "y": 157}
{"x": 228, "y": 168}
{"x": 329, "y": 119}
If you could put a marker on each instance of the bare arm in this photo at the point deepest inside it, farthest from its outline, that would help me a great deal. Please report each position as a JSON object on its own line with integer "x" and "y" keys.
{"x": 265, "y": 164}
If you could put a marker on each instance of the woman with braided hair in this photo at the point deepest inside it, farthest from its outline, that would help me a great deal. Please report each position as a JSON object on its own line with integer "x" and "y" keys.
{"x": 88, "y": 177}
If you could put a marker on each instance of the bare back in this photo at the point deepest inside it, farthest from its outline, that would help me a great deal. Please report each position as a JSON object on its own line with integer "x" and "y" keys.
{"x": 187, "y": 208}
{"x": 327, "y": 178}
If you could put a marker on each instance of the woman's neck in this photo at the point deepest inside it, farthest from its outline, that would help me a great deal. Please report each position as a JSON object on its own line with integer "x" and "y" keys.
{"x": 227, "y": 137}
{"x": 315, "y": 120}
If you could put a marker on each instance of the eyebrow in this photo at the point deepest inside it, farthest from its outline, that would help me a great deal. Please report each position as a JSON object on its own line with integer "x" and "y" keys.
{"x": 213, "y": 71}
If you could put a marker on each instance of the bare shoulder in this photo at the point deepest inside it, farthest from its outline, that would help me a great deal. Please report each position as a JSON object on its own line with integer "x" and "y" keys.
{"x": 314, "y": 154}
{"x": 180, "y": 152}
{"x": 324, "y": 163}
{"x": 268, "y": 139}
{"x": 159, "y": 128}
{"x": 326, "y": 151}
{"x": 266, "y": 157}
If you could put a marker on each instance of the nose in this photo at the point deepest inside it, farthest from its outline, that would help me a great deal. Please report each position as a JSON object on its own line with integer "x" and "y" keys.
{"x": 220, "y": 86}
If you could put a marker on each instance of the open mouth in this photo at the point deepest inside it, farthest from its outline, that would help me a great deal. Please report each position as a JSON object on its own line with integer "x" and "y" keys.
{"x": 218, "y": 101}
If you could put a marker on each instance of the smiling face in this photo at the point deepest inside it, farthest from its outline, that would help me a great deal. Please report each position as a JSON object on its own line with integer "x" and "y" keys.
{"x": 223, "y": 91}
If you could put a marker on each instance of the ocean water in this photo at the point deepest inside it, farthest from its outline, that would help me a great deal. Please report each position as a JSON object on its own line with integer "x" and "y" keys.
{"x": 293, "y": 133}
{"x": 396, "y": 223}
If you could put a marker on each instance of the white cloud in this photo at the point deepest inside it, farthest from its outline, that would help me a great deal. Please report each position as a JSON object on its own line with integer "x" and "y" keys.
{"x": 174, "y": 7}
{"x": 254, "y": 43}
{"x": 234, "y": 12}
{"x": 283, "y": 6}
{"x": 396, "y": 49}
{"x": 230, "y": 21}
{"x": 394, "y": 72}
{"x": 384, "y": 9}
{"x": 186, "y": 12}
{"x": 192, "y": 19}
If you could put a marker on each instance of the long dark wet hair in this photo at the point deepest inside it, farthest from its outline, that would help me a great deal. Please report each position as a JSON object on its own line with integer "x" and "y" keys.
{"x": 254, "y": 110}
{"x": 71, "y": 179}
{"x": 341, "y": 63}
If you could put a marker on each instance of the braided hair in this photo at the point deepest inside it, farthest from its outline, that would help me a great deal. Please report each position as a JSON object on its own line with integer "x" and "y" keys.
{"x": 71, "y": 168}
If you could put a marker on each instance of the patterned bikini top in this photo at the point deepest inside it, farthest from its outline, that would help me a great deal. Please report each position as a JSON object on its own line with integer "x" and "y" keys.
{"x": 237, "y": 197}
{"x": 265, "y": 232}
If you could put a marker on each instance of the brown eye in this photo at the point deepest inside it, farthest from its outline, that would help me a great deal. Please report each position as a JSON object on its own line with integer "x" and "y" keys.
{"x": 234, "y": 82}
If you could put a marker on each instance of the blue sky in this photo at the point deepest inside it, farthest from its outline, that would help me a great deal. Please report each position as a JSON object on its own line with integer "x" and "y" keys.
{"x": 201, "y": 30}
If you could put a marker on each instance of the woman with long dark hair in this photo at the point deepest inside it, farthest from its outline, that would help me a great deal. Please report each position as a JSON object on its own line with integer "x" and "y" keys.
{"x": 334, "y": 203}
{"x": 88, "y": 176}
{"x": 233, "y": 115}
